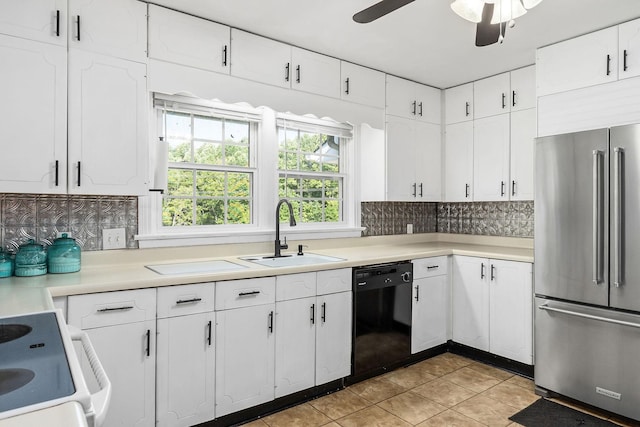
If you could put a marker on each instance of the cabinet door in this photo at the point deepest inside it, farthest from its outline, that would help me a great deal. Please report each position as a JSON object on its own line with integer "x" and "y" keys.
{"x": 33, "y": 82}
{"x": 261, "y": 59}
{"x": 511, "y": 310}
{"x": 430, "y": 313}
{"x": 115, "y": 28}
{"x": 523, "y": 88}
{"x": 491, "y": 158}
{"x": 185, "y": 371}
{"x": 333, "y": 337}
{"x": 492, "y": 96}
{"x": 629, "y": 49}
{"x": 523, "y": 133}
{"x": 39, "y": 20}
{"x": 429, "y": 107}
{"x": 108, "y": 147}
{"x": 401, "y": 183}
{"x": 315, "y": 73}
{"x": 362, "y": 85}
{"x": 295, "y": 345}
{"x": 401, "y": 97}
{"x": 428, "y": 162}
{"x": 459, "y": 162}
{"x": 244, "y": 358}
{"x": 187, "y": 40}
{"x": 584, "y": 61}
{"x": 128, "y": 356}
{"x": 459, "y": 103}
{"x": 471, "y": 301}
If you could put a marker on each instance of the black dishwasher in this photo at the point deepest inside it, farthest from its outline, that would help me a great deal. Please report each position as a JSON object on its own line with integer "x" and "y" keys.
{"x": 381, "y": 318}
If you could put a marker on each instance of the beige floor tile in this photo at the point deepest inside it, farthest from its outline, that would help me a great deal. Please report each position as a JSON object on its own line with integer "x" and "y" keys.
{"x": 442, "y": 364}
{"x": 409, "y": 377}
{"x": 491, "y": 371}
{"x": 471, "y": 379}
{"x": 512, "y": 395}
{"x": 377, "y": 389}
{"x": 456, "y": 359}
{"x": 303, "y": 415}
{"x": 522, "y": 382}
{"x": 372, "y": 416}
{"x": 444, "y": 392}
{"x": 487, "y": 411}
{"x": 256, "y": 423}
{"x": 339, "y": 404}
{"x": 411, "y": 407}
{"x": 332, "y": 424}
{"x": 450, "y": 418}
{"x": 515, "y": 425}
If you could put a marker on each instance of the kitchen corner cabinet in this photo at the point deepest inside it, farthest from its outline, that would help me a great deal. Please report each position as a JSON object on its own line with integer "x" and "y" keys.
{"x": 107, "y": 144}
{"x": 185, "y": 374}
{"x": 459, "y": 103}
{"x": 493, "y": 306}
{"x": 491, "y": 139}
{"x": 122, "y": 329}
{"x": 187, "y": 40}
{"x": 413, "y": 100}
{"x": 459, "y": 162}
{"x": 414, "y": 160}
{"x": 430, "y": 312}
{"x": 362, "y": 85}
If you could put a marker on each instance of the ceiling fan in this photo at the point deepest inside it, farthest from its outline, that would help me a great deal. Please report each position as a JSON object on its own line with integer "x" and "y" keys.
{"x": 491, "y": 23}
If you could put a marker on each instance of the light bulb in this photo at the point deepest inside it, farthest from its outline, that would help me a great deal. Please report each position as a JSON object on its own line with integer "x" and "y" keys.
{"x": 506, "y": 10}
{"x": 471, "y": 10}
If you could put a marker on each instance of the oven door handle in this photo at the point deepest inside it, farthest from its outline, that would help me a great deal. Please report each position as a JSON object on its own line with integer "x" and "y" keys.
{"x": 99, "y": 400}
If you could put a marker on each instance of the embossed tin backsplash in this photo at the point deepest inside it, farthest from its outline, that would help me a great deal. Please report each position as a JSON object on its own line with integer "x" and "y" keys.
{"x": 41, "y": 217}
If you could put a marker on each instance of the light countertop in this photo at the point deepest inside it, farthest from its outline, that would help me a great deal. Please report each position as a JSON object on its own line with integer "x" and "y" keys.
{"x": 125, "y": 269}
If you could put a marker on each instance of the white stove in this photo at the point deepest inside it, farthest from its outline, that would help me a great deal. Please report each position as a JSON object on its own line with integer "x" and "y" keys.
{"x": 39, "y": 368}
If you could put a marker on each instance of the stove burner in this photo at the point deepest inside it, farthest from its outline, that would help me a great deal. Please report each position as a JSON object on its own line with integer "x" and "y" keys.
{"x": 13, "y": 332}
{"x": 13, "y": 379}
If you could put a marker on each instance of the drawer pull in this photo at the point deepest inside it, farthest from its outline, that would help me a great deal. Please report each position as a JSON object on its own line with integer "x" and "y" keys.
{"x": 432, "y": 267}
{"x": 209, "y": 333}
{"x": 188, "y": 301}
{"x": 271, "y": 322}
{"x": 104, "y": 310}
{"x": 148, "y": 349}
{"x": 246, "y": 294}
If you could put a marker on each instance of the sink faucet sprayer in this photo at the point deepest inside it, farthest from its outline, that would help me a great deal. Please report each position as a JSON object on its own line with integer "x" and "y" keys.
{"x": 292, "y": 223}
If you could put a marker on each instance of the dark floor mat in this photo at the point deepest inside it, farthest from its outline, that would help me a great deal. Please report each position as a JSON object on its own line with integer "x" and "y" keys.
{"x": 543, "y": 413}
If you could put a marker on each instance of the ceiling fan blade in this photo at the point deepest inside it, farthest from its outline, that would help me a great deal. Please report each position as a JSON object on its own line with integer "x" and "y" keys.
{"x": 486, "y": 32}
{"x": 379, "y": 9}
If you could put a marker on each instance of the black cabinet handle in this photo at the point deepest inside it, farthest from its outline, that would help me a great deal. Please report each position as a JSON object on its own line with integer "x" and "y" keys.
{"x": 432, "y": 267}
{"x": 188, "y": 301}
{"x": 105, "y": 310}
{"x": 78, "y": 26}
{"x": 420, "y": 189}
{"x": 79, "y": 174}
{"x": 414, "y": 185}
{"x": 313, "y": 314}
{"x": 298, "y": 74}
{"x": 324, "y": 312}
{"x": 501, "y": 188}
{"x": 513, "y": 188}
{"x": 57, "y": 170}
{"x": 413, "y": 107}
{"x": 57, "y": 23}
{"x": 482, "y": 270}
{"x": 504, "y": 97}
{"x": 513, "y": 98}
{"x": 417, "y": 293}
{"x": 466, "y": 109}
{"x": 624, "y": 60}
{"x": 493, "y": 270}
{"x": 347, "y": 86}
{"x": 224, "y": 56}
{"x": 148, "y": 350}
{"x": 466, "y": 191}
{"x": 420, "y": 109}
{"x": 608, "y": 64}
{"x": 244, "y": 294}
{"x": 209, "y": 333}
{"x": 271, "y": 321}
{"x": 287, "y": 70}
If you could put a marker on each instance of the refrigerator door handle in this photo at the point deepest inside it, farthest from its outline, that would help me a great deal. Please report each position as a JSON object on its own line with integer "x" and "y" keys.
{"x": 589, "y": 316}
{"x": 618, "y": 194}
{"x": 598, "y": 216}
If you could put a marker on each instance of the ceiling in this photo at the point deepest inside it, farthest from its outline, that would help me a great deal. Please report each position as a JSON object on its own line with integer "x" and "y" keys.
{"x": 424, "y": 41}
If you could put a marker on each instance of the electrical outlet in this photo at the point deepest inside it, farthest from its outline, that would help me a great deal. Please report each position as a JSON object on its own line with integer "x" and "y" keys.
{"x": 409, "y": 228}
{"x": 113, "y": 238}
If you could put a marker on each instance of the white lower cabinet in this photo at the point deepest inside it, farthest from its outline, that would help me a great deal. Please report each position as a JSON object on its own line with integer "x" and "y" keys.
{"x": 333, "y": 336}
{"x": 493, "y": 306}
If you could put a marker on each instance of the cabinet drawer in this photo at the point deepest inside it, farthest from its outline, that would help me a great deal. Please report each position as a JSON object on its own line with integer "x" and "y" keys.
{"x": 111, "y": 308}
{"x": 429, "y": 267}
{"x": 185, "y": 299}
{"x": 292, "y": 286}
{"x": 245, "y": 293}
{"x": 332, "y": 281}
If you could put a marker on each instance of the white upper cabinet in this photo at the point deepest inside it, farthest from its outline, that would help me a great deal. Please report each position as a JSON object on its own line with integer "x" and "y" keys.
{"x": 428, "y": 162}
{"x": 35, "y": 133}
{"x": 584, "y": 61}
{"x": 107, "y": 141}
{"x": 459, "y": 103}
{"x": 629, "y": 49}
{"x": 523, "y": 133}
{"x": 116, "y": 27}
{"x": 315, "y": 73}
{"x": 186, "y": 40}
{"x": 491, "y": 158}
{"x": 492, "y": 96}
{"x": 362, "y": 85}
{"x": 39, "y": 20}
{"x": 413, "y": 100}
{"x": 459, "y": 162}
{"x": 523, "y": 88}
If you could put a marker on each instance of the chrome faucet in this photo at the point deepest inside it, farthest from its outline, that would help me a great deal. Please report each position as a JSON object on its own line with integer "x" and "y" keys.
{"x": 292, "y": 223}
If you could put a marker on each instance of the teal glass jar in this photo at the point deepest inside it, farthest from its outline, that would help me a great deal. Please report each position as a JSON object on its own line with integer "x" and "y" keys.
{"x": 63, "y": 255}
{"x": 31, "y": 260}
{"x": 6, "y": 264}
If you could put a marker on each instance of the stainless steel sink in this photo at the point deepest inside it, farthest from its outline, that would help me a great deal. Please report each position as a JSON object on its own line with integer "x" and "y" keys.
{"x": 291, "y": 260}
{"x": 199, "y": 267}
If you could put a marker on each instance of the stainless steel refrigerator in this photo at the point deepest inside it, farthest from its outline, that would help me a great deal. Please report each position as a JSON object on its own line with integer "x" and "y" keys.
{"x": 587, "y": 267}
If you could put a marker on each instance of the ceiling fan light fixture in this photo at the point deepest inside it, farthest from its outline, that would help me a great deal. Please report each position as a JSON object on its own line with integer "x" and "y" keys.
{"x": 471, "y": 10}
{"x": 506, "y": 10}
{"x": 529, "y": 4}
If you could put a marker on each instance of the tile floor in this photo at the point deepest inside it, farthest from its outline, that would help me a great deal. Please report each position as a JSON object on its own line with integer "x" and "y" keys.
{"x": 446, "y": 390}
